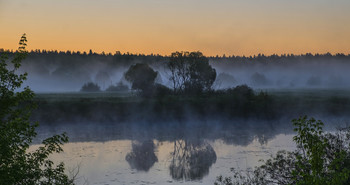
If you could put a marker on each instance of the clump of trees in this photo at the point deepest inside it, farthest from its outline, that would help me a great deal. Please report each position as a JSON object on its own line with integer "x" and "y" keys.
{"x": 320, "y": 158}
{"x": 17, "y": 165}
{"x": 190, "y": 72}
{"x": 242, "y": 101}
{"x": 141, "y": 77}
{"x": 90, "y": 87}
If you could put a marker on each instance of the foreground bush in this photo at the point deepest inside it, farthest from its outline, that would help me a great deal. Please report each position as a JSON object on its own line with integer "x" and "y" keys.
{"x": 320, "y": 159}
{"x": 17, "y": 165}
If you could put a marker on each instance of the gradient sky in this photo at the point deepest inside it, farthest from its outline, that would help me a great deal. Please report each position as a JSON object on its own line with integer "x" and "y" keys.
{"x": 239, "y": 27}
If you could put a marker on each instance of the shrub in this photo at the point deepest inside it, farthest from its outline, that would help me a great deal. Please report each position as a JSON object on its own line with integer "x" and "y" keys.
{"x": 320, "y": 159}
{"x": 90, "y": 87}
{"x": 17, "y": 165}
{"x": 142, "y": 77}
{"x": 119, "y": 87}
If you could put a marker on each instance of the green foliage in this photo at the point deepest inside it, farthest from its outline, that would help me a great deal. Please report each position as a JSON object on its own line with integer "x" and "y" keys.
{"x": 17, "y": 165}
{"x": 320, "y": 159}
{"x": 313, "y": 165}
{"x": 142, "y": 77}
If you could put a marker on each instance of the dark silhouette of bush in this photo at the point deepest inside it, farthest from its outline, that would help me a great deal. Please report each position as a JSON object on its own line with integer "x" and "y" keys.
{"x": 242, "y": 91}
{"x": 161, "y": 90}
{"x": 242, "y": 101}
{"x": 119, "y": 87}
{"x": 90, "y": 87}
{"x": 142, "y": 77}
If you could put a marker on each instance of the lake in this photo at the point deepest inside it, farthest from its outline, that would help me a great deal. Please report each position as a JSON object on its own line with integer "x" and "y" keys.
{"x": 172, "y": 152}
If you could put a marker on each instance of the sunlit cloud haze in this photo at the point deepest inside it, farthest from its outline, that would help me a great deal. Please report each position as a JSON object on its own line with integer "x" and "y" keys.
{"x": 239, "y": 27}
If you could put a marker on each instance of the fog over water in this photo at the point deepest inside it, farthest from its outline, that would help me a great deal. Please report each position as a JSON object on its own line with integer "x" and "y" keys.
{"x": 119, "y": 138}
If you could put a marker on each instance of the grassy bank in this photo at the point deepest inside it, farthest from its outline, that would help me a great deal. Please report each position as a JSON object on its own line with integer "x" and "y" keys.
{"x": 125, "y": 107}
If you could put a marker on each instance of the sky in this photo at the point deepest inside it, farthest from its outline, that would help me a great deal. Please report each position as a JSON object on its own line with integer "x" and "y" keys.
{"x": 214, "y": 27}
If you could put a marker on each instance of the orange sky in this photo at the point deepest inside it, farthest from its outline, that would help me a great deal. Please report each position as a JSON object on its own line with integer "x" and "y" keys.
{"x": 239, "y": 27}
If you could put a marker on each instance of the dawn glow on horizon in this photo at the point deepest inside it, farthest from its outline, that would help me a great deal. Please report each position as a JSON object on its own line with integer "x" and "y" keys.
{"x": 230, "y": 27}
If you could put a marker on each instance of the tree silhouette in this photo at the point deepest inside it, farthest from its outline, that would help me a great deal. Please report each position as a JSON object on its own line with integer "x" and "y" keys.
{"x": 191, "y": 160}
{"x": 90, "y": 87}
{"x": 190, "y": 72}
{"x": 142, "y": 156}
{"x": 141, "y": 77}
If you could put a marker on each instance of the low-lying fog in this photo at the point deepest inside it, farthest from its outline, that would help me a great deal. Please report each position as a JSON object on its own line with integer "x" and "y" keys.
{"x": 70, "y": 73}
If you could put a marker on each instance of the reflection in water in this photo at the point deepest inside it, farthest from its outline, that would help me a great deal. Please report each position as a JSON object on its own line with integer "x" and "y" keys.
{"x": 142, "y": 156}
{"x": 104, "y": 162}
{"x": 191, "y": 160}
{"x": 149, "y": 153}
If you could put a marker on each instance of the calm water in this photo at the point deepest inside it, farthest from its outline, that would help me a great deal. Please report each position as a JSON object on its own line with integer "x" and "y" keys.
{"x": 174, "y": 153}
{"x": 190, "y": 152}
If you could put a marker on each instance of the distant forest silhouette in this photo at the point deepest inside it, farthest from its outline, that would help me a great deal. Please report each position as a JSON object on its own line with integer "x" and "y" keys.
{"x": 156, "y": 57}
{"x": 67, "y": 71}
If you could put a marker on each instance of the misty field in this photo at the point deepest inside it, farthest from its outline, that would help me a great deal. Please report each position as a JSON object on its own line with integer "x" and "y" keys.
{"x": 125, "y": 107}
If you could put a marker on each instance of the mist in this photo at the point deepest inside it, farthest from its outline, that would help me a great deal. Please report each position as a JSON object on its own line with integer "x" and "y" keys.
{"x": 302, "y": 74}
{"x": 67, "y": 72}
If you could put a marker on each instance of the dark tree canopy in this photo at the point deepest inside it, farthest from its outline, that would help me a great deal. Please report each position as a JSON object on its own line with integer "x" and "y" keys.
{"x": 191, "y": 72}
{"x": 90, "y": 87}
{"x": 141, "y": 76}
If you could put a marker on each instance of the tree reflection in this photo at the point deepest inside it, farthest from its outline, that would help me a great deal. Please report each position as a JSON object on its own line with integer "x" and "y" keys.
{"x": 191, "y": 160}
{"x": 142, "y": 156}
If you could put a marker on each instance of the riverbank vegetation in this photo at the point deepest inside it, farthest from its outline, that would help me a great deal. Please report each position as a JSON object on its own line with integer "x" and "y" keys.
{"x": 17, "y": 164}
{"x": 320, "y": 158}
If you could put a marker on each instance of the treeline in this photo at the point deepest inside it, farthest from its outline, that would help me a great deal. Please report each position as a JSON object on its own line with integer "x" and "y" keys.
{"x": 149, "y": 58}
{"x": 68, "y": 70}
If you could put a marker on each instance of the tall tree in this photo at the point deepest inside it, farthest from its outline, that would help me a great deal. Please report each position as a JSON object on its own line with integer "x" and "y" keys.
{"x": 191, "y": 72}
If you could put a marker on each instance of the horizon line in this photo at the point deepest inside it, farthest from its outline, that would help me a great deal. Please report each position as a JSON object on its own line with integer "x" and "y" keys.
{"x": 157, "y": 54}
